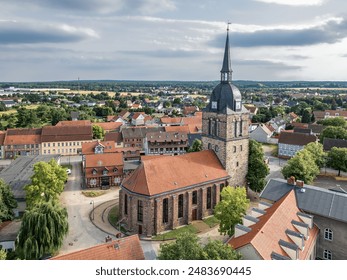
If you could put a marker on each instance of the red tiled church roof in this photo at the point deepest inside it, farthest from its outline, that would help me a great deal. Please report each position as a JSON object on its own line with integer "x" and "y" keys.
{"x": 162, "y": 174}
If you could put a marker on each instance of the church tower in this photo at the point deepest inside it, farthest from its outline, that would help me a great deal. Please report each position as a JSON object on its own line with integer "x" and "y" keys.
{"x": 225, "y": 124}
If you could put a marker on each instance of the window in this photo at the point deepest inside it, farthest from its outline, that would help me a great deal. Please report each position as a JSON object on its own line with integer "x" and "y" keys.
{"x": 58, "y": 144}
{"x": 94, "y": 171}
{"x": 126, "y": 204}
{"x": 240, "y": 147}
{"x": 180, "y": 206}
{"x": 216, "y": 148}
{"x": 44, "y": 145}
{"x": 208, "y": 198}
{"x": 104, "y": 172}
{"x": 241, "y": 128}
{"x": 53, "y": 144}
{"x": 195, "y": 197}
{"x": 209, "y": 146}
{"x": 237, "y": 164}
{"x": 328, "y": 234}
{"x": 139, "y": 211}
{"x": 62, "y": 144}
{"x": 327, "y": 255}
{"x": 234, "y": 149}
{"x": 165, "y": 210}
{"x": 235, "y": 129}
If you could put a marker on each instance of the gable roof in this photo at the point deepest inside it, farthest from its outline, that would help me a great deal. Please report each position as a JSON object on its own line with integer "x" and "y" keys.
{"x": 161, "y": 174}
{"x": 108, "y": 126}
{"x": 139, "y": 132}
{"x": 66, "y": 133}
{"x": 113, "y": 136}
{"x": 294, "y": 138}
{"x": 109, "y": 159}
{"x": 267, "y": 235}
{"x": 329, "y": 143}
{"x": 89, "y": 147}
{"x": 163, "y": 137}
{"x": 314, "y": 200}
{"x": 175, "y": 128}
{"x": 19, "y": 136}
{"x": 74, "y": 123}
{"x": 127, "y": 248}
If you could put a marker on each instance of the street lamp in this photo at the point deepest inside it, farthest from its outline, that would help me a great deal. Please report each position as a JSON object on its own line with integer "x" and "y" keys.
{"x": 92, "y": 202}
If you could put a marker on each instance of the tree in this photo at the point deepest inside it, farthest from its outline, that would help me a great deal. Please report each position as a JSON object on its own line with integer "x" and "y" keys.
{"x": 217, "y": 250}
{"x": 2, "y": 254}
{"x": 338, "y": 121}
{"x": 302, "y": 166}
{"x": 98, "y": 132}
{"x": 257, "y": 168}
{"x": 196, "y": 146}
{"x": 317, "y": 152}
{"x": 27, "y": 118}
{"x": 337, "y": 159}
{"x": 47, "y": 182}
{"x": 231, "y": 208}
{"x": 7, "y": 202}
{"x": 57, "y": 115}
{"x": 333, "y": 132}
{"x": 42, "y": 231}
{"x": 306, "y": 116}
{"x": 187, "y": 247}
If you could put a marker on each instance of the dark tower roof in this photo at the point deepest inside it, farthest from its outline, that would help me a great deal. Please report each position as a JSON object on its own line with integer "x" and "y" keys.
{"x": 226, "y": 97}
{"x": 226, "y": 68}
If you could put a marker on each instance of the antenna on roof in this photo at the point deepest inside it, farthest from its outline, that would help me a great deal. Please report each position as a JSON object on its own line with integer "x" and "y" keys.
{"x": 229, "y": 23}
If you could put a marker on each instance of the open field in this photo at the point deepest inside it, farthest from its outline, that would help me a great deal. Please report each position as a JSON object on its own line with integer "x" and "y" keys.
{"x": 12, "y": 111}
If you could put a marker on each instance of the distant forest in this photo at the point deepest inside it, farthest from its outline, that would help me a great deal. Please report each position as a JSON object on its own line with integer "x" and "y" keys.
{"x": 109, "y": 85}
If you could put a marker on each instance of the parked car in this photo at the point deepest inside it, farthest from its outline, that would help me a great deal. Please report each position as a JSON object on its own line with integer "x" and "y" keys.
{"x": 68, "y": 171}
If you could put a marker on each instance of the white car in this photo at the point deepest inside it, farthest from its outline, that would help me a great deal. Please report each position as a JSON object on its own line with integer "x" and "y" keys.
{"x": 68, "y": 171}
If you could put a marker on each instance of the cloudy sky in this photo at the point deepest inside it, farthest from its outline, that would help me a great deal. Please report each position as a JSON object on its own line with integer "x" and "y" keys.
{"x": 48, "y": 40}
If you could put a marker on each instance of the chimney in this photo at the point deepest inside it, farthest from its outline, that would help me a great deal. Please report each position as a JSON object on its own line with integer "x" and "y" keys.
{"x": 291, "y": 180}
{"x": 300, "y": 183}
{"x": 108, "y": 238}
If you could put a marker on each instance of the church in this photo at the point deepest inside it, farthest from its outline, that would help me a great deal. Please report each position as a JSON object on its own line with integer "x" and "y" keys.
{"x": 166, "y": 192}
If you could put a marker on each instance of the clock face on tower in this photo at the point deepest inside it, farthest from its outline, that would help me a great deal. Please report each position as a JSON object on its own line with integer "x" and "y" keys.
{"x": 214, "y": 104}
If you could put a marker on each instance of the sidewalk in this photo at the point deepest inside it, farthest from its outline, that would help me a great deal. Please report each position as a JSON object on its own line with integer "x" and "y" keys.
{"x": 99, "y": 217}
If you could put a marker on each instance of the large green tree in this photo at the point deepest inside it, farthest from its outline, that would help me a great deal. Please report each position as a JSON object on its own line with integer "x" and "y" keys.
{"x": 338, "y": 121}
{"x": 306, "y": 116}
{"x": 98, "y": 132}
{"x": 47, "y": 182}
{"x": 257, "y": 168}
{"x": 231, "y": 208}
{"x": 334, "y": 132}
{"x": 317, "y": 152}
{"x": 302, "y": 166}
{"x": 42, "y": 231}
{"x": 187, "y": 247}
{"x": 7, "y": 202}
{"x": 337, "y": 159}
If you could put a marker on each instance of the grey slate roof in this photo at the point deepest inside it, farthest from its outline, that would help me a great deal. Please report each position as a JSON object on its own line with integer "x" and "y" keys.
{"x": 276, "y": 256}
{"x": 139, "y": 132}
{"x": 314, "y": 200}
{"x": 19, "y": 172}
{"x": 329, "y": 143}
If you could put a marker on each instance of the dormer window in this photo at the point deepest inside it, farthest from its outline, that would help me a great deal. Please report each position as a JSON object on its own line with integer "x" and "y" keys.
{"x": 115, "y": 170}
{"x": 99, "y": 149}
{"x": 214, "y": 105}
{"x": 95, "y": 171}
{"x": 104, "y": 172}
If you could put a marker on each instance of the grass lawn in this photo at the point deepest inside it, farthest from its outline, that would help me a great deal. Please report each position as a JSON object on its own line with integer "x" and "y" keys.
{"x": 93, "y": 193}
{"x": 211, "y": 221}
{"x": 113, "y": 216}
{"x": 173, "y": 233}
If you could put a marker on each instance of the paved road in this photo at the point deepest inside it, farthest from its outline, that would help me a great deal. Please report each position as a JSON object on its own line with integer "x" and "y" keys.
{"x": 82, "y": 232}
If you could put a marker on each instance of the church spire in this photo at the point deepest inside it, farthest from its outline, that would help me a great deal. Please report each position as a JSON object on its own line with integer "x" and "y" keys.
{"x": 226, "y": 68}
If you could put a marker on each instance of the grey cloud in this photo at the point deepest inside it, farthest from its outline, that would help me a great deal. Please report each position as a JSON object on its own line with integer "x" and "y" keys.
{"x": 266, "y": 64}
{"x": 330, "y": 33}
{"x": 101, "y": 6}
{"x": 12, "y": 32}
{"x": 161, "y": 53}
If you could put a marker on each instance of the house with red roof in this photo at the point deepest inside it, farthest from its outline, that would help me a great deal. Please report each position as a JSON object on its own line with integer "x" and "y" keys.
{"x": 278, "y": 231}
{"x": 126, "y": 248}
